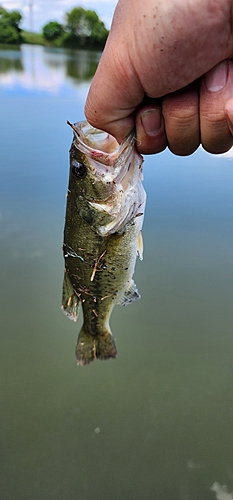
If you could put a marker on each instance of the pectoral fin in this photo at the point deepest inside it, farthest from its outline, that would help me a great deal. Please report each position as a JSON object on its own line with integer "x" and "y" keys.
{"x": 140, "y": 245}
{"x": 131, "y": 293}
{"x": 70, "y": 301}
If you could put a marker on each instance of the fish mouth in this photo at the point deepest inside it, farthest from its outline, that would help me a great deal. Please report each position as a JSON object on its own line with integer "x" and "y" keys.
{"x": 119, "y": 166}
{"x": 99, "y": 145}
{"x": 95, "y": 139}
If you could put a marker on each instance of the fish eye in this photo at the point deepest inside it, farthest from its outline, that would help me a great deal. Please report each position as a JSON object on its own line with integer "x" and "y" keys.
{"x": 78, "y": 169}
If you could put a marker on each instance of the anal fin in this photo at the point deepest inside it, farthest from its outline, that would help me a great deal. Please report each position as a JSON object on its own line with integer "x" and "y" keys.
{"x": 130, "y": 294}
{"x": 70, "y": 301}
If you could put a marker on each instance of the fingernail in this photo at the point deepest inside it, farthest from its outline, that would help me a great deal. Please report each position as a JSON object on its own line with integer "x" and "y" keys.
{"x": 216, "y": 78}
{"x": 151, "y": 121}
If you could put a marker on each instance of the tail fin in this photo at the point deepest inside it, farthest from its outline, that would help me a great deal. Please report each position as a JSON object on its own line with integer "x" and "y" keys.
{"x": 90, "y": 347}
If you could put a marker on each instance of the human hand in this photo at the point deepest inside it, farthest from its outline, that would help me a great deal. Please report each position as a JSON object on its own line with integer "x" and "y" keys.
{"x": 166, "y": 70}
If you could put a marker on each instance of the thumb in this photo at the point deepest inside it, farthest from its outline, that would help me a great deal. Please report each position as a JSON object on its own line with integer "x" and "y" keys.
{"x": 144, "y": 56}
{"x": 115, "y": 91}
{"x": 113, "y": 97}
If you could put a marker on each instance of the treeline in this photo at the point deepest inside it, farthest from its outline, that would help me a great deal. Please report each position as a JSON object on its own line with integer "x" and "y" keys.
{"x": 82, "y": 29}
{"x": 10, "y": 31}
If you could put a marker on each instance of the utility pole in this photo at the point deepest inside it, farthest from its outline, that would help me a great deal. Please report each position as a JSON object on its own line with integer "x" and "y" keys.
{"x": 31, "y": 15}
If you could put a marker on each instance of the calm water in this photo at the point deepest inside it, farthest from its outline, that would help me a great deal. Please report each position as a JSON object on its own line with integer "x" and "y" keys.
{"x": 157, "y": 423}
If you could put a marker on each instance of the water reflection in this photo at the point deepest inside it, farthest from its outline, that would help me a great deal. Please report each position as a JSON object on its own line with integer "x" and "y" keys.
{"x": 37, "y": 68}
{"x": 78, "y": 64}
{"x": 156, "y": 422}
{"x": 10, "y": 60}
{"x": 221, "y": 492}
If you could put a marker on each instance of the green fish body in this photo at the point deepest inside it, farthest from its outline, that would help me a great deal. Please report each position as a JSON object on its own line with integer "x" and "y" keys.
{"x": 102, "y": 234}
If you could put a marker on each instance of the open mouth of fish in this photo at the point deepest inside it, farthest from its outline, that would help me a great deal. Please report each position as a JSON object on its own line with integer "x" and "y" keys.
{"x": 98, "y": 140}
{"x": 107, "y": 158}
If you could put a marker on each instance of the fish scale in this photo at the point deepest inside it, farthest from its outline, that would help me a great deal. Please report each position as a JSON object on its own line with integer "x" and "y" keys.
{"x": 99, "y": 262}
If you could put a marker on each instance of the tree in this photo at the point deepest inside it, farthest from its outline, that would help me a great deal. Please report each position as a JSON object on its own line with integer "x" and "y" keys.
{"x": 15, "y": 18}
{"x": 84, "y": 28}
{"x": 2, "y": 11}
{"x": 52, "y": 31}
{"x": 9, "y": 26}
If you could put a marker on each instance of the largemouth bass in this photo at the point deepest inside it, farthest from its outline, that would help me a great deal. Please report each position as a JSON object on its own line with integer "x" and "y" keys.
{"x": 102, "y": 234}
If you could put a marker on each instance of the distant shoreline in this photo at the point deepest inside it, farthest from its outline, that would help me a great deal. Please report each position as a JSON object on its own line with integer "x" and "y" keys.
{"x": 83, "y": 29}
{"x": 30, "y": 38}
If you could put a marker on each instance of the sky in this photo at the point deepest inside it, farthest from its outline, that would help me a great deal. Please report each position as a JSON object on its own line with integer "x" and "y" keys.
{"x": 54, "y": 10}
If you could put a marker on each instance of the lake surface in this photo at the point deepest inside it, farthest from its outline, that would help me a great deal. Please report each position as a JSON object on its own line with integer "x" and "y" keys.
{"x": 157, "y": 422}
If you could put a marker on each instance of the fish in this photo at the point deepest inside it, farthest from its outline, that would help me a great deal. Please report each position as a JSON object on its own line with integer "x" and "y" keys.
{"x": 102, "y": 234}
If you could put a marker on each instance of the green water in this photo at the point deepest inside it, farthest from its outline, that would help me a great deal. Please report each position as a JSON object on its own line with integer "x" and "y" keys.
{"x": 157, "y": 422}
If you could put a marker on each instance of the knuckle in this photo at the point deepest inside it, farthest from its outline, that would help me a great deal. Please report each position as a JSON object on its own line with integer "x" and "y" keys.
{"x": 181, "y": 118}
{"x": 213, "y": 119}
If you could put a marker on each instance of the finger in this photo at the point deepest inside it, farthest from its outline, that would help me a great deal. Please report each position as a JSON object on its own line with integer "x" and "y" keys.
{"x": 150, "y": 50}
{"x": 181, "y": 116}
{"x": 115, "y": 92}
{"x": 229, "y": 113}
{"x": 151, "y": 137}
{"x": 215, "y": 91}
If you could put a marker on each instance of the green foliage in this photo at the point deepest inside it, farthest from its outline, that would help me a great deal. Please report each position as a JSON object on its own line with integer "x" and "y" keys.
{"x": 9, "y": 26}
{"x": 84, "y": 28}
{"x": 15, "y": 18}
{"x": 2, "y": 11}
{"x": 53, "y": 30}
{"x": 32, "y": 38}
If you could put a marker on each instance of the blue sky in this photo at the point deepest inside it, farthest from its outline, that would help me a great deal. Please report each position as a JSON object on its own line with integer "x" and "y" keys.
{"x": 54, "y": 10}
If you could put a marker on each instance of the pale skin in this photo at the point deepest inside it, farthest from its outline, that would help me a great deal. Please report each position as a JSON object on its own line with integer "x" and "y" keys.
{"x": 167, "y": 71}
